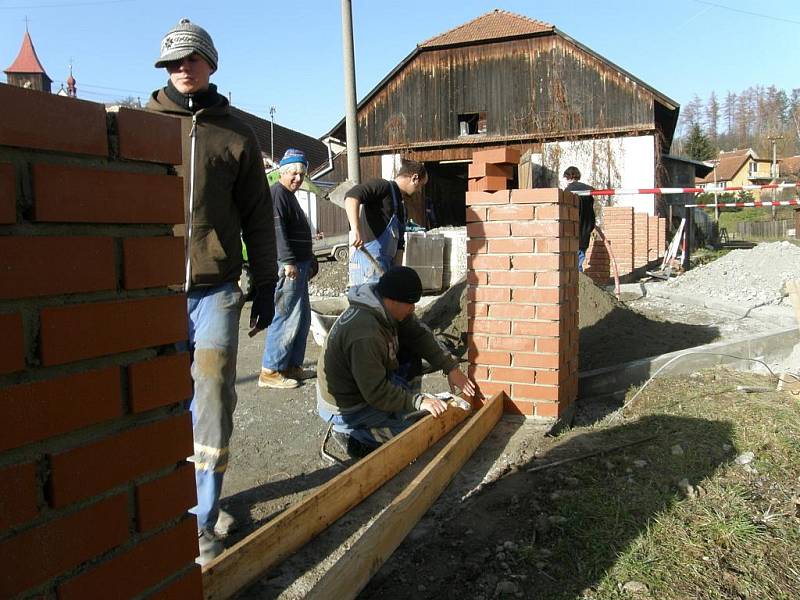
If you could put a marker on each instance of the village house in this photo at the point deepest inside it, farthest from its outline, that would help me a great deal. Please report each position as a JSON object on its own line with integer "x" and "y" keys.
{"x": 739, "y": 167}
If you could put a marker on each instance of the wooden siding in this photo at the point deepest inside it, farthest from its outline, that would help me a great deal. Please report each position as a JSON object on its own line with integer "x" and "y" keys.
{"x": 540, "y": 88}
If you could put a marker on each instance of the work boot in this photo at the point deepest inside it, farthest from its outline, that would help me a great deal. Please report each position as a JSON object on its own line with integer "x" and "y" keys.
{"x": 225, "y": 524}
{"x": 209, "y": 545}
{"x": 276, "y": 379}
{"x": 350, "y": 445}
{"x": 299, "y": 373}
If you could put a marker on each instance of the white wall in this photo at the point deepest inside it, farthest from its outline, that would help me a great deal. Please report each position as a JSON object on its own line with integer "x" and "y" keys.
{"x": 620, "y": 162}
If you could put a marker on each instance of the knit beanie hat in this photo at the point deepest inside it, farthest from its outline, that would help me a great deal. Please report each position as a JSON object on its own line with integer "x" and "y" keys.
{"x": 184, "y": 39}
{"x": 401, "y": 284}
{"x": 293, "y": 155}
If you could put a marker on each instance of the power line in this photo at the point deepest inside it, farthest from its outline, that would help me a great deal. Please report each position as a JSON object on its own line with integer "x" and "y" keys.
{"x": 747, "y": 12}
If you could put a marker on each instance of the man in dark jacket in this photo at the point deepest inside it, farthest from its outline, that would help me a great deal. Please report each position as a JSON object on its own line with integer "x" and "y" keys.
{"x": 586, "y": 218}
{"x": 226, "y": 195}
{"x": 377, "y": 216}
{"x": 358, "y": 387}
{"x": 285, "y": 347}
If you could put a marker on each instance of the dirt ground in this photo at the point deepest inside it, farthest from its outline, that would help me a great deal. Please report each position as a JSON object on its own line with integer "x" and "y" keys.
{"x": 275, "y": 456}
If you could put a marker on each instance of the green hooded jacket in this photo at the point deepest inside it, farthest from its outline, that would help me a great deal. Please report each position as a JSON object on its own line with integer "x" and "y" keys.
{"x": 229, "y": 200}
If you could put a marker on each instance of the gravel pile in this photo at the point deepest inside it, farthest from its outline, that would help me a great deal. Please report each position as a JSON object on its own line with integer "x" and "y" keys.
{"x": 753, "y": 277}
{"x": 330, "y": 281}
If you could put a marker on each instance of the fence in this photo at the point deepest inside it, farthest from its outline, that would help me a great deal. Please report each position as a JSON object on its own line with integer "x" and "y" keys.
{"x": 770, "y": 230}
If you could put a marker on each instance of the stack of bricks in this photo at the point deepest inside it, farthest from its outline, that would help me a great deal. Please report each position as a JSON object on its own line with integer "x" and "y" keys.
{"x": 94, "y": 482}
{"x": 491, "y": 170}
{"x": 522, "y": 298}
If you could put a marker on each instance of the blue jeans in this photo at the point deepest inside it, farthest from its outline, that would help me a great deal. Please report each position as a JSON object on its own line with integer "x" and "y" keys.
{"x": 213, "y": 341}
{"x": 287, "y": 335}
{"x": 581, "y": 258}
{"x": 368, "y": 425}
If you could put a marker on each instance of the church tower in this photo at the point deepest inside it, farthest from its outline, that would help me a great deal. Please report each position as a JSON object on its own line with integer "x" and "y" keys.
{"x": 26, "y": 71}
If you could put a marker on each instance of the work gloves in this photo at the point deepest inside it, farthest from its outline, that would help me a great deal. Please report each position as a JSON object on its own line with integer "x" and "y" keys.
{"x": 263, "y": 308}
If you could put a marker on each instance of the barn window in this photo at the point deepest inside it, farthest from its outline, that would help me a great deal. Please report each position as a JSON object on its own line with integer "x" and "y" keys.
{"x": 472, "y": 123}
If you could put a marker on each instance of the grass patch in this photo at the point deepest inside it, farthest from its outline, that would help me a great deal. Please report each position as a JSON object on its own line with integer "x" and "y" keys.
{"x": 677, "y": 517}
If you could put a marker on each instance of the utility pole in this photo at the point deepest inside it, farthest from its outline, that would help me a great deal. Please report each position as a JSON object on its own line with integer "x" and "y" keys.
{"x": 774, "y": 169}
{"x": 353, "y": 165}
{"x": 272, "y": 134}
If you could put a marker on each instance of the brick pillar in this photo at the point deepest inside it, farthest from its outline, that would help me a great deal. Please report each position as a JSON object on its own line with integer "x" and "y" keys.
{"x": 522, "y": 297}
{"x": 94, "y": 485}
{"x": 663, "y": 236}
{"x": 618, "y": 227}
{"x": 597, "y": 264}
{"x": 641, "y": 240}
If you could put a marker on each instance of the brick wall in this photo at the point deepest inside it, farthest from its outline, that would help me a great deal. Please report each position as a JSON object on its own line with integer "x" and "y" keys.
{"x": 522, "y": 297}
{"x": 94, "y": 485}
{"x": 641, "y": 240}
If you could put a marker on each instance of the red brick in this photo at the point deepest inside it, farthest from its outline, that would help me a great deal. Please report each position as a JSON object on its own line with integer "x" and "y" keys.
{"x": 537, "y": 262}
{"x": 149, "y": 136}
{"x": 510, "y": 212}
{"x": 487, "y": 184}
{"x": 18, "y": 494}
{"x": 477, "y": 309}
{"x": 477, "y": 373}
{"x": 31, "y": 119}
{"x": 12, "y": 350}
{"x": 534, "y": 392}
{"x": 80, "y": 195}
{"x": 545, "y": 328}
{"x": 187, "y": 587}
{"x": 548, "y": 410}
{"x": 488, "y": 230}
{"x": 117, "y": 326}
{"x": 482, "y": 169}
{"x": 517, "y": 407}
{"x": 548, "y": 312}
{"x": 512, "y": 311}
{"x": 511, "y": 246}
{"x": 477, "y": 277}
{"x": 550, "y": 212}
{"x": 478, "y": 342}
{"x": 499, "y": 197}
{"x": 152, "y": 262}
{"x": 512, "y": 278}
{"x": 537, "y": 229}
{"x": 39, "y": 554}
{"x": 83, "y": 472}
{"x": 534, "y": 361}
{"x": 488, "y": 294}
{"x": 548, "y": 377}
{"x": 132, "y": 572}
{"x": 537, "y": 295}
{"x": 159, "y": 382}
{"x": 534, "y": 196}
{"x": 512, "y": 375}
{"x": 514, "y": 344}
{"x": 551, "y": 245}
{"x": 500, "y": 263}
{"x": 40, "y": 410}
{"x": 497, "y": 156}
{"x": 475, "y": 213}
{"x": 44, "y": 266}
{"x": 488, "y": 326}
{"x": 548, "y": 345}
{"x": 8, "y": 194}
{"x": 165, "y": 498}
{"x": 478, "y": 246}
{"x": 488, "y": 358}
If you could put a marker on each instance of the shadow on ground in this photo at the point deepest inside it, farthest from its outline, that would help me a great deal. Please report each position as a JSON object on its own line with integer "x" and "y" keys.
{"x": 555, "y": 533}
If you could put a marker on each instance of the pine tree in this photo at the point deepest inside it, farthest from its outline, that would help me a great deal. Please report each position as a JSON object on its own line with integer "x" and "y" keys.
{"x": 698, "y": 146}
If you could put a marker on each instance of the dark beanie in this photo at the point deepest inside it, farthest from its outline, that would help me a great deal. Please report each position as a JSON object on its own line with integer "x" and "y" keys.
{"x": 401, "y": 284}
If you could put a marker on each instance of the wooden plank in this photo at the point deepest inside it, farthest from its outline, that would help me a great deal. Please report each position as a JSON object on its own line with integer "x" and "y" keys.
{"x": 248, "y": 560}
{"x": 351, "y": 573}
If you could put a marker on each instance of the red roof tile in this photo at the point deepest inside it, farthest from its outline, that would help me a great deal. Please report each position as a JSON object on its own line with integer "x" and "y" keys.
{"x": 26, "y": 61}
{"x": 495, "y": 25}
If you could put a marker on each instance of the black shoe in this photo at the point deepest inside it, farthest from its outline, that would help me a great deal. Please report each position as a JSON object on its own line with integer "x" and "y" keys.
{"x": 350, "y": 445}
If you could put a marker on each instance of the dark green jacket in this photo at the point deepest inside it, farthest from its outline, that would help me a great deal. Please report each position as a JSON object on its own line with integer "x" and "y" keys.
{"x": 230, "y": 197}
{"x": 360, "y": 352}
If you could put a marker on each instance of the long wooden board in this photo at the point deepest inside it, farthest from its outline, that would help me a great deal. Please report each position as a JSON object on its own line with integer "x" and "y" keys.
{"x": 248, "y": 560}
{"x": 351, "y": 573}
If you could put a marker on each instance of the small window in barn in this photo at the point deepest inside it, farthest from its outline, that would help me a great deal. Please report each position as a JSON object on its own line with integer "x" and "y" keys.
{"x": 472, "y": 123}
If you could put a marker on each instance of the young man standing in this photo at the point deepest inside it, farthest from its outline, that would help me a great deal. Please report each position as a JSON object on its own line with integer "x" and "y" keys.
{"x": 226, "y": 195}
{"x": 586, "y": 218}
{"x": 285, "y": 347}
{"x": 377, "y": 216}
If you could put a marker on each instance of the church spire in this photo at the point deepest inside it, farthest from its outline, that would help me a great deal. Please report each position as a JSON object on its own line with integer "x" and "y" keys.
{"x": 26, "y": 70}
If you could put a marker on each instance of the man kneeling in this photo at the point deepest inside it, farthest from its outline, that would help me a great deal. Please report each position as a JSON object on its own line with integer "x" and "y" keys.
{"x": 362, "y": 389}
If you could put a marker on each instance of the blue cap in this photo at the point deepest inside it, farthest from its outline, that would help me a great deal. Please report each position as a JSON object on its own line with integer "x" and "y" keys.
{"x": 293, "y": 155}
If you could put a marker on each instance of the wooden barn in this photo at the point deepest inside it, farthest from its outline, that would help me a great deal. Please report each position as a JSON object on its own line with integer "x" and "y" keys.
{"x": 504, "y": 79}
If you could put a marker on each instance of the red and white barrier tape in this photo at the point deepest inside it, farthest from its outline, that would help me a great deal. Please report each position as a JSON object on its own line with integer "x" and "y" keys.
{"x": 742, "y": 204}
{"x": 659, "y": 191}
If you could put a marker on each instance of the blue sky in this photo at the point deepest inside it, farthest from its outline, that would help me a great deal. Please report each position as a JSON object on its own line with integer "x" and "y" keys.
{"x": 289, "y": 55}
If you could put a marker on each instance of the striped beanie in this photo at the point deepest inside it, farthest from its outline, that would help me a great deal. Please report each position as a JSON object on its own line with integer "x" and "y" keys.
{"x": 184, "y": 39}
{"x": 293, "y": 155}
